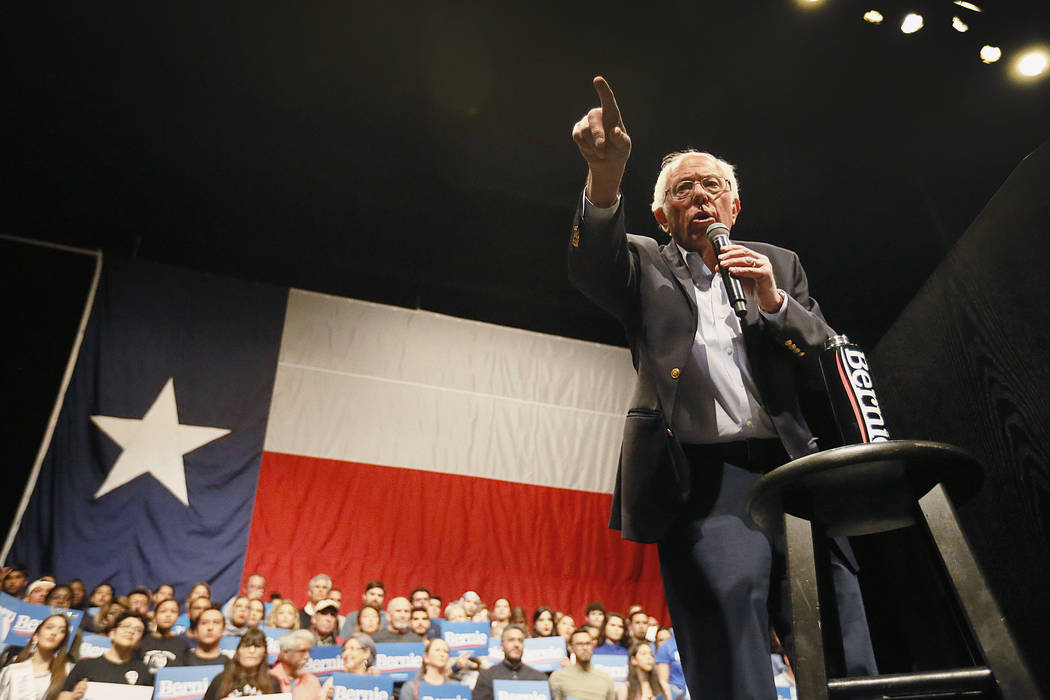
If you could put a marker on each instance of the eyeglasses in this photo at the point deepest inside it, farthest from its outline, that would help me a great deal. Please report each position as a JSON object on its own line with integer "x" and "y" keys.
{"x": 714, "y": 185}
{"x": 135, "y": 629}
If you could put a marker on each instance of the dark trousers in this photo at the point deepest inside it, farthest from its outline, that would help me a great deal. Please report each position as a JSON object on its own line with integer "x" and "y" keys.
{"x": 724, "y": 578}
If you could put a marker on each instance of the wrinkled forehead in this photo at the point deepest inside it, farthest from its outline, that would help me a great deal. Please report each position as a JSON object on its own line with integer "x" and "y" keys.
{"x": 693, "y": 165}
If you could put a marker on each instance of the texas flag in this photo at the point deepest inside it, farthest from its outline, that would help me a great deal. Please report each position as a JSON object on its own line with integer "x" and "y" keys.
{"x": 214, "y": 428}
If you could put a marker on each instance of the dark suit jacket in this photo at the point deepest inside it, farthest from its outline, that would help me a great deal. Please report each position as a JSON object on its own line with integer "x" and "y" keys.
{"x": 647, "y": 287}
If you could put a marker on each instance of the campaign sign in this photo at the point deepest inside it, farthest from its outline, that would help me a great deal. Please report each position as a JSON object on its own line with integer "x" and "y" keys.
{"x": 495, "y": 651}
{"x": 470, "y": 637}
{"x": 273, "y": 645}
{"x": 93, "y": 646}
{"x": 445, "y": 691}
{"x": 324, "y": 661}
{"x": 612, "y": 665}
{"x": 399, "y": 661}
{"x": 360, "y": 686}
{"x": 184, "y": 682}
{"x": 182, "y": 623}
{"x": 544, "y": 653}
{"x": 228, "y": 646}
{"x": 521, "y": 690}
{"x": 18, "y": 620}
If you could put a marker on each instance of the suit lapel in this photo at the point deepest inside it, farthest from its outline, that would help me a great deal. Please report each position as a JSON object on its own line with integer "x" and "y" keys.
{"x": 681, "y": 273}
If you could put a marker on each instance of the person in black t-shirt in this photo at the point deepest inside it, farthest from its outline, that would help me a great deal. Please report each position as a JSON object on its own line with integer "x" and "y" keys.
{"x": 247, "y": 672}
{"x": 209, "y": 627}
{"x": 162, "y": 648}
{"x": 118, "y": 665}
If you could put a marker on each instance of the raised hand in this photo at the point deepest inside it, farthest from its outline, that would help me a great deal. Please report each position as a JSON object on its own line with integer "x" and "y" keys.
{"x": 603, "y": 142}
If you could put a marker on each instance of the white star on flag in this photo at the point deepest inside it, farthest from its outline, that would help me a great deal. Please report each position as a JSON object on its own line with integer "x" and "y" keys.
{"x": 154, "y": 444}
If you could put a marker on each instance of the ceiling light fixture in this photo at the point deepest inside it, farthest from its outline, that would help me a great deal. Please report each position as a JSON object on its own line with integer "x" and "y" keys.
{"x": 991, "y": 54}
{"x": 912, "y": 23}
{"x": 958, "y": 25}
{"x": 1032, "y": 63}
{"x": 967, "y": 5}
{"x": 873, "y": 16}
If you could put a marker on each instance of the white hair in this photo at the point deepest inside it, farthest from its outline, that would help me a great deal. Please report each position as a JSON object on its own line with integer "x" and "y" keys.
{"x": 321, "y": 577}
{"x": 671, "y": 161}
{"x": 287, "y": 641}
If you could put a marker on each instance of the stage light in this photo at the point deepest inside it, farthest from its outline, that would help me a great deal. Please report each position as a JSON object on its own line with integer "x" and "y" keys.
{"x": 991, "y": 54}
{"x": 967, "y": 5}
{"x": 958, "y": 25}
{"x": 873, "y": 16}
{"x": 912, "y": 23}
{"x": 809, "y": 4}
{"x": 1032, "y": 63}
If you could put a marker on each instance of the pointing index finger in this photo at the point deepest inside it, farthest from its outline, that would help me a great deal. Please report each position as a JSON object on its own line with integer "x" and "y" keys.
{"x": 610, "y": 110}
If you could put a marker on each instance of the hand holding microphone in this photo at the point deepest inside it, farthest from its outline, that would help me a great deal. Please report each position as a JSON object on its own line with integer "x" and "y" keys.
{"x": 742, "y": 267}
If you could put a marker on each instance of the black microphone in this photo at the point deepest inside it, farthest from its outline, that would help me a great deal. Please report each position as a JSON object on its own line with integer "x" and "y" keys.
{"x": 718, "y": 236}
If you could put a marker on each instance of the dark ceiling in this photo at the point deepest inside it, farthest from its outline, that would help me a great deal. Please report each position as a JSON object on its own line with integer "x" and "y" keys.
{"x": 419, "y": 154}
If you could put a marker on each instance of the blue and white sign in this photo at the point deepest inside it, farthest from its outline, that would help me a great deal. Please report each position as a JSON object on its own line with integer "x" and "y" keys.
{"x": 273, "y": 645}
{"x": 521, "y": 690}
{"x": 399, "y": 661}
{"x": 495, "y": 651}
{"x": 544, "y": 653}
{"x": 184, "y": 682}
{"x": 228, "y": 646}
{"x": 359, "y": 686}
{"x": 445, "y": 691}
{"x": 182, "y": 623}
{"x": 324, "y": 661}
{"x": 613, "y": 665}
{"x": 93, "y": 646}
{"x": 18, "y": 620}
{"x": 470, "y": 637}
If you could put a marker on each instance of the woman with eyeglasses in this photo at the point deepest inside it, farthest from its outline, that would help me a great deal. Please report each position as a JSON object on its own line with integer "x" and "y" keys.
{"x": 40, "y": 669}
{"x": 359, "y": 653}
{"x": 120, "y": 664}
{"x": 247, "y": 673}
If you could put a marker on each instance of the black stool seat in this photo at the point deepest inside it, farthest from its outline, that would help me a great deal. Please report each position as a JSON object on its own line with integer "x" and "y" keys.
{"x": 869, "y": 488}
{"x": 862, "y": 489}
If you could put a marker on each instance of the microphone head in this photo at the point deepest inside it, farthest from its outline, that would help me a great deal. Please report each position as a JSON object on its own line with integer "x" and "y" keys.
{"x": 715, "y": 231}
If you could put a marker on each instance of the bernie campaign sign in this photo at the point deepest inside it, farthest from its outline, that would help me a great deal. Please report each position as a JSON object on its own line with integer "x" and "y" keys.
{"x": 470, "y": 637}
{"x": 612, "y": 665}
{"x": 324, "y": 661}
{"x": 521, "y": 690}
{"x": 18, "y": 620}
{"x": 544, "y": 653}
{"x": 445, "y": 691}
{"x": 360, "y": 686}
{"x": 495, "y": 651}
{"x": 94, "y": 645}
{"x": 399, "y": 661}
{"x": 184, "y": 682}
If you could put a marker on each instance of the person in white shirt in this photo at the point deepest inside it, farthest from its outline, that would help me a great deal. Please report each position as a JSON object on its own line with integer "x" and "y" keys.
{"x": 40, "y": 668}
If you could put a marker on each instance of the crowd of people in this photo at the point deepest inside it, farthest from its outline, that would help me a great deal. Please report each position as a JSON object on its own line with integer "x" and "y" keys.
{"x": 144, "y": 628}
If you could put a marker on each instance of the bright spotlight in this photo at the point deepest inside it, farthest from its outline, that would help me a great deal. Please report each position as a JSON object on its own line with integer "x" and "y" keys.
{"x": 967, "y": 5}
{"x": 991, "y": 54}
{"x": 958, "y": 25}
{"x": 912, "y": 23}
{"x": 873, "y": 16}
{"x": 809, "y": 4}
{"x": 1032, "y": 63}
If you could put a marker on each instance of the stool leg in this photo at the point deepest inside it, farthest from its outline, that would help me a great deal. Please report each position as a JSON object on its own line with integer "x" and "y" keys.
{"x": 810, "y": 672}
{"x": 981, "y": 611}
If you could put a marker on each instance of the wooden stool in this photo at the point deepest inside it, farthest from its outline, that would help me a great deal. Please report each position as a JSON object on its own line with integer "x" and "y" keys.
{"x": 876, "y": 487}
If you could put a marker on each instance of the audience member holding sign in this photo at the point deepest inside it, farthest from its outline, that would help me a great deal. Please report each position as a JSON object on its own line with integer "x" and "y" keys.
{"x": 118, "y": 665}
{"x": 162, "y": 648}
{"x": 436, "y": 669}
{"x": 247, "y": 673}
{"x": 359, "y": 654}
{"x": 511, "y": 668}
{"x": 40, "y": 668}
{"x": 295, "y": 652}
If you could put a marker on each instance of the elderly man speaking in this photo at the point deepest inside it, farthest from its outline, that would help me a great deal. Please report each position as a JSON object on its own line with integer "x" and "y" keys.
{"x": 716, "y": 403}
